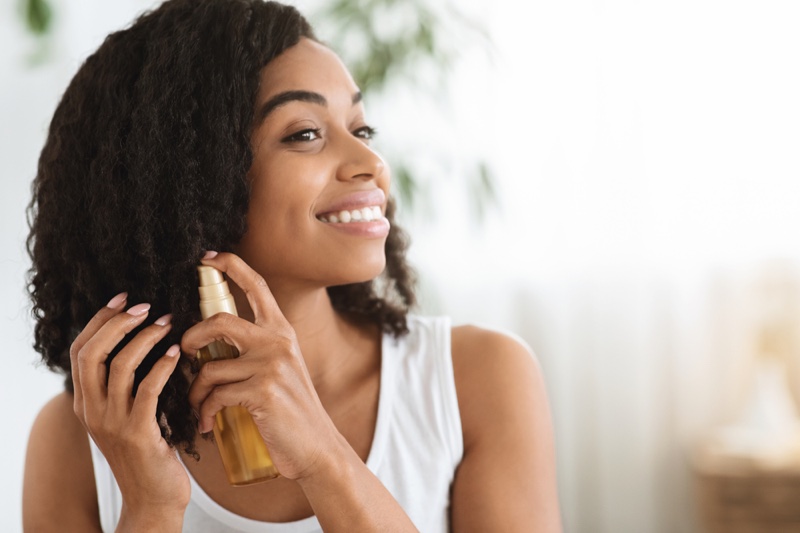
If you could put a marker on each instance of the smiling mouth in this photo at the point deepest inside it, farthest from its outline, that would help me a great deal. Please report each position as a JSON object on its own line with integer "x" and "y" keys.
{"x": 347, "y": 216}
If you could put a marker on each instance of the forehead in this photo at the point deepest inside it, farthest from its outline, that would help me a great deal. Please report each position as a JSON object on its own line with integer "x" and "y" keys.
{"x": 308, "y": 65}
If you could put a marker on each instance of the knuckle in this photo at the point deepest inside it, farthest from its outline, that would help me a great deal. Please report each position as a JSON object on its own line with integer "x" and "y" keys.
{"x": 221, "y": 320}
{"x": 280, "y": 362}
{"x": 123, "y": 323}
{"x": 149, "y": 388}
{"x": 213, "y": 398}
{"x": 147, "y": 337}
{"x": 192, "y": 398}
{"x": 226, "y": 319}
{"x": 77, "y": 408}
{"x": 121, "y": 366}
{"x": 286, "y": 373}
{"x": 258, "y": 281}
{"x": 84, "y": 353}
{"x": 233, "y": 260}
{"x": 207, "y": 371}
{"x": 271, "y": 394}
{"x": 265, "y": 384}
{"x": 284, "y": 346}
{"x": 74, "y": 349}
{"x": 217, "y": 399}
{"x": 213, "y": 402}
{"x": 74, "y": 377}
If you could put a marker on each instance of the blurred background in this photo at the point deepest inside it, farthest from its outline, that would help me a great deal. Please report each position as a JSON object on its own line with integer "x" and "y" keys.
{"x": 616, "y": 181}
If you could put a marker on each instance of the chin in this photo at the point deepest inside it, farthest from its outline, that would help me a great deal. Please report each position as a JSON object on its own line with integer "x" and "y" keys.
{"x": 364, "y": 271}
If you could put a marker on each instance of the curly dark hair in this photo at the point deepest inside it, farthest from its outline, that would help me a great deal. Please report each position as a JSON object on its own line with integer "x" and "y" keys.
{"x": 154, "y": 129}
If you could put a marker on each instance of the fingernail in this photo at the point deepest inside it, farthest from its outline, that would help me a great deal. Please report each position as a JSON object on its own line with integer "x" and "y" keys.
{"x": 210, "y": 255}
{"x": 139, "y": 310}
{"x": 164, "y": 320}
{"x": 173, "y": 350}
{"x": 117, "y": 300}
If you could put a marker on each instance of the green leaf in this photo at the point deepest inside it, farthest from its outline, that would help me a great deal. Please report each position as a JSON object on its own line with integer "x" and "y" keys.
{"x": 406, "y": 185}
{"x": 483, "y": 192}
{"x": 38, "y": 16}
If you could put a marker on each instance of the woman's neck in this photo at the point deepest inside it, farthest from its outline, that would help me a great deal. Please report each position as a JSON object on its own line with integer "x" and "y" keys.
{"x": 329, "y": 342}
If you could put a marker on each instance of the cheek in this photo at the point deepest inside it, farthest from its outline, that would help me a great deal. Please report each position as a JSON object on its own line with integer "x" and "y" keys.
{"x": 275, "y": 188}
{"x": 263, "y": 211}
{"x": 278, "y": 176}
{"x": 282, "y": 196}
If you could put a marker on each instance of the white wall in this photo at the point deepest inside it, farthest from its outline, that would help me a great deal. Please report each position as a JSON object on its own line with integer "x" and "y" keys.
{"x": 28, "y": 97}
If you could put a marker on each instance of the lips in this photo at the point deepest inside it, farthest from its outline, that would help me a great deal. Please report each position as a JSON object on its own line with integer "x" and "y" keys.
{"x": 361, "y": 202}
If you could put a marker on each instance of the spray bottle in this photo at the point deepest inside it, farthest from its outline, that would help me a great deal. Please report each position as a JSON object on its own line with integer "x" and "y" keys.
{"x": 244, "y": 454}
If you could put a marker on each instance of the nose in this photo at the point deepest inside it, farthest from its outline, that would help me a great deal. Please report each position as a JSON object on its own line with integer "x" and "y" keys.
{"x": 359, "y": 161}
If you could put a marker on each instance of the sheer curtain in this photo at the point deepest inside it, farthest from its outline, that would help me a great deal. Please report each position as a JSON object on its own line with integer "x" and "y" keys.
{"x": 646, "y": 152}
{"x": 639, "y": 369}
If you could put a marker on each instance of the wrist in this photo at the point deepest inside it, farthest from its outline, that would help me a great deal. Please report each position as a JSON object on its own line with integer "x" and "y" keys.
{"x": 332, "y": 466}
{"x": 347, "y": 496}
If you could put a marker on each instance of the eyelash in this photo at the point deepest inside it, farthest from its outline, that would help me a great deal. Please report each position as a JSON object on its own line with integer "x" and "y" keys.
{"x": 365, "y": 132}
{"x": 369, "y": 132}
{"x": 300, "y": 136}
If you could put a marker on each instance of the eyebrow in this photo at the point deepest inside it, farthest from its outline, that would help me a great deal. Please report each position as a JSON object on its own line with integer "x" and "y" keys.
{"x": 300, "y": 96}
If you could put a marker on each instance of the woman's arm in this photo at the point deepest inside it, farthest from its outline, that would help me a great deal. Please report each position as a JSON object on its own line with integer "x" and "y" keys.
{"x": 58, "y": 492}
{"x": 59, "y": 477}
{"x": 270, "y": 379}
{"x": 346, "y": 496}
{"x": 507, "y": 478}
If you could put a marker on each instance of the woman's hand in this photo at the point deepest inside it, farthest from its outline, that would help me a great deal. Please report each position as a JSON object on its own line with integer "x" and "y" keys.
{"x": 153, "y": 482}
{"x": 269, "y": 378}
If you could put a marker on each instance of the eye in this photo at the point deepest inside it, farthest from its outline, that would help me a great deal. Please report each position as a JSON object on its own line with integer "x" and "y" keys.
{"x": 366, "y": 133}
{"x": 307, "y": 135}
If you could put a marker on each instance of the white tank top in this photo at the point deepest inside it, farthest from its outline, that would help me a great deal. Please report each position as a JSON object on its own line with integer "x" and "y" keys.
{"x": 415, "y": 450}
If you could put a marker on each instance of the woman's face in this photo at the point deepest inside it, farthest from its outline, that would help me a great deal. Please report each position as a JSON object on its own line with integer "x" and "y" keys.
{"x": 312, "y": 160}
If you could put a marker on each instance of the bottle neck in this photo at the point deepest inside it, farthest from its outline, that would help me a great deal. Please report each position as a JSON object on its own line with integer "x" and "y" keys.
{"x": 215, "y": 295}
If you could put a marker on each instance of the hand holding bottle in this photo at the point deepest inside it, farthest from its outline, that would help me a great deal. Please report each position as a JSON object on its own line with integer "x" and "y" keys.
{"x": 242, "y": 449}
{"x": 269, "y": 378}
{"x": 153, "y": 483}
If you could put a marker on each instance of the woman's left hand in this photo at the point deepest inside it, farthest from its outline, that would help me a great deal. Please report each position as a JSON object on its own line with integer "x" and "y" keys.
{"x": 269, "y": 378}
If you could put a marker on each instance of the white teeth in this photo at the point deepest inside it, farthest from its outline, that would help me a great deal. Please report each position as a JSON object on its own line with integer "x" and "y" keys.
{"x": 366, "y": 214}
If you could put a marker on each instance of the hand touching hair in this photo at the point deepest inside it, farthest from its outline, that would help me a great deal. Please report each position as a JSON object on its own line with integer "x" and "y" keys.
{"x": 145, "y": 167}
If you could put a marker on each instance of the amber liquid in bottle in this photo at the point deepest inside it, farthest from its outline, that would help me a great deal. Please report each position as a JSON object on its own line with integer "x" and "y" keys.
{"x": 241, "y": 447}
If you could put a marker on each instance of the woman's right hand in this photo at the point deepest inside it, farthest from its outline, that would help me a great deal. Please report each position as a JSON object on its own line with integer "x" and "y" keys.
{"x": 154, "y": 485}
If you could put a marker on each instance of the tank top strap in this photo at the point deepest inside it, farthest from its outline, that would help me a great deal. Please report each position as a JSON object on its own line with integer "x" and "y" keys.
{"x": 109, "y": 497}
{"x": 443, "y": 354}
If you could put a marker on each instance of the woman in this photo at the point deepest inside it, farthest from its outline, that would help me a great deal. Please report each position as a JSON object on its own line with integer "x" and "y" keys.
{"x": 224, "y": 125}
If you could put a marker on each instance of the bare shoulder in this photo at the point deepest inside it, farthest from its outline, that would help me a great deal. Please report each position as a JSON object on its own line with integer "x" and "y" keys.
{"x": 507, "y": 478}
{"x": 493, "y": 371}
{"x": 473, "y": 342}
{"x": 58, "y": 490}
